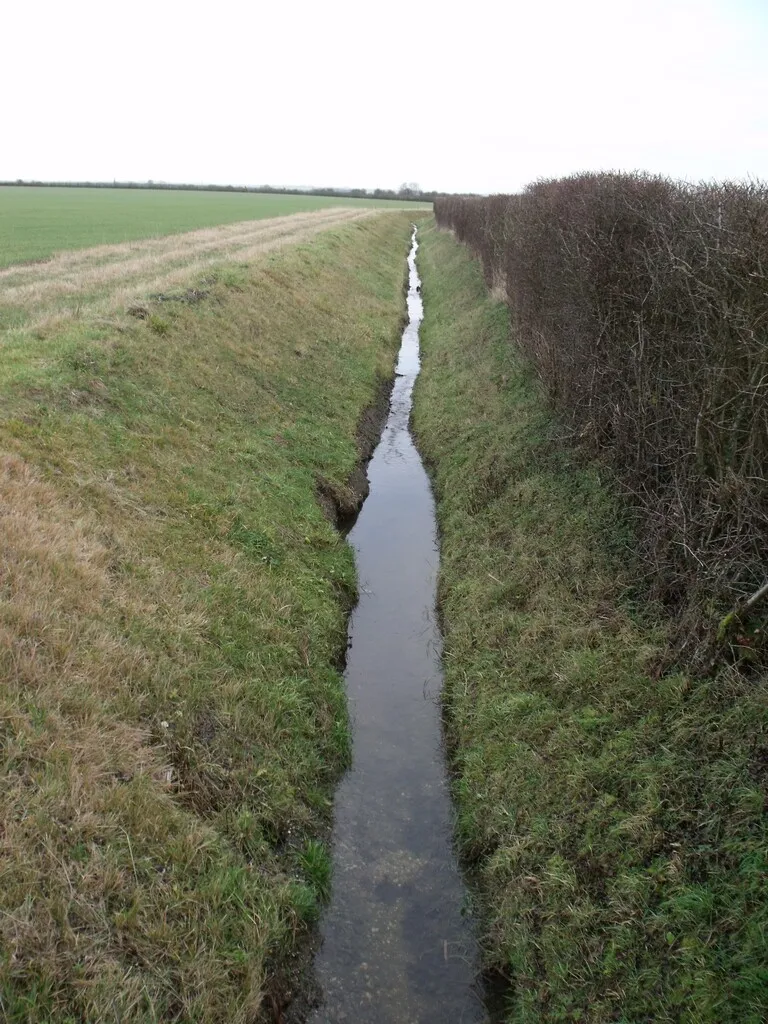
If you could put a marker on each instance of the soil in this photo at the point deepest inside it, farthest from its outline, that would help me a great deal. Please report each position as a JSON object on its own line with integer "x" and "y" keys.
{"x": 341, "y": 505}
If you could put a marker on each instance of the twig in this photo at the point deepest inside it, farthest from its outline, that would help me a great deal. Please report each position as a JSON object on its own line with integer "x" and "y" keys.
{"x": 741, "y": 606}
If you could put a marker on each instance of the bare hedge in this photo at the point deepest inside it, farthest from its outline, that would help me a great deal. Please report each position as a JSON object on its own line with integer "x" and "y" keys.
{"x": 643, "y": 304}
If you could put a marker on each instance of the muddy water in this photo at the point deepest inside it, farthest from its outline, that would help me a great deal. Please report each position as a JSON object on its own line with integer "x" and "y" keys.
{"x": 396, "y": 947}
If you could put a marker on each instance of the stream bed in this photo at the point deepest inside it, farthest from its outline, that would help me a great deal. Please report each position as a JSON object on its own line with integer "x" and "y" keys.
{"x": 397, "y": 946}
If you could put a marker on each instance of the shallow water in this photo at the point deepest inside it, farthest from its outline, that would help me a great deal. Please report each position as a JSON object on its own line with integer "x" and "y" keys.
{"x": 396, "y": 947}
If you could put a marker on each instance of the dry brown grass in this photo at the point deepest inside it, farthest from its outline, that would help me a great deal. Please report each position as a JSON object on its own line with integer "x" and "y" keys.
{"x": 100, "y": 863}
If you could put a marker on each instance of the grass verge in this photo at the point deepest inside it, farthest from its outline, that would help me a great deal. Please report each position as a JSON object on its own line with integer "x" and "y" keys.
{"x": 172, "y": 617}
{"x": 614, "y": 819}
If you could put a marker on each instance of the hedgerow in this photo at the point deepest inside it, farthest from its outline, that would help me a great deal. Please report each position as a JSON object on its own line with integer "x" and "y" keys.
{"x": 643, "y": 304}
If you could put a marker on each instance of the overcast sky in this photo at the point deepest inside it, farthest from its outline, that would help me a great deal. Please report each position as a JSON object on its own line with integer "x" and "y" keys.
{"x": 479, "y": 96}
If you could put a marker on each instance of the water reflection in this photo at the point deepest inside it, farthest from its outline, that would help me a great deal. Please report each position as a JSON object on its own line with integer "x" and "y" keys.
{"x": 396, "y": 946}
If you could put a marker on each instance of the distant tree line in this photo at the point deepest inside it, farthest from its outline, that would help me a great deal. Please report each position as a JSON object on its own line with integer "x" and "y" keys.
{"x": 409, "y": 191}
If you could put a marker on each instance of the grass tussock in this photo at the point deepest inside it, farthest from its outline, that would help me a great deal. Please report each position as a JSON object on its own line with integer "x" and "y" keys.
{"x": 172, "y": 614}
{"x": 614, "y": 819}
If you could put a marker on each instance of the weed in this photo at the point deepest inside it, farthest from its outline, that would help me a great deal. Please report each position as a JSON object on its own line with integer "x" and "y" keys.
{"x": 315, "y": 861}
{"x": 304, "y": 898}
{"x": 159, "y": 325}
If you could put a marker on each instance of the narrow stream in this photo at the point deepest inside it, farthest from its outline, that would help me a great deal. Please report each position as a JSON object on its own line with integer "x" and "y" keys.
{"x": 396, "y": 947}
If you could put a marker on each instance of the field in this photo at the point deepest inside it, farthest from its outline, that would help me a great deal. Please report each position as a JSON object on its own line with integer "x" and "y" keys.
{"x": 74, "y": 288}
{"x": 172, "y": 618}
{"x": 613, "y": 814}
{"x": 37, "y": 222}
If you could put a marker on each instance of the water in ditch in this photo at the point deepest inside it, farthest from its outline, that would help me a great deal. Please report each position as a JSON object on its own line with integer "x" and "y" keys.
{"x": 397, "y": 947}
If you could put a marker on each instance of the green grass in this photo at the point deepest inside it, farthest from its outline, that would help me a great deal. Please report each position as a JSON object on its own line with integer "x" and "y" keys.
{"x": 613, "y": 818}
{"x": 173, "y": 611}
{"x": 36, "y": 222}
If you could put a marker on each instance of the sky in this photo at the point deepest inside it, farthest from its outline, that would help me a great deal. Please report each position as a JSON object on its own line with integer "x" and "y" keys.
{"x": 481, "y": 96}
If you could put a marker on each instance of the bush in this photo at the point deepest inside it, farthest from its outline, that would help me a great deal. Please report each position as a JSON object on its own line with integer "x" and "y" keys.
{"x": 644, "y": 306}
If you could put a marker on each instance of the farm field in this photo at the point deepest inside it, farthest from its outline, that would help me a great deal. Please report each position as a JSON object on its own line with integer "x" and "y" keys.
{"x": 37, "y": 222}
{"x": 74, "y": 287}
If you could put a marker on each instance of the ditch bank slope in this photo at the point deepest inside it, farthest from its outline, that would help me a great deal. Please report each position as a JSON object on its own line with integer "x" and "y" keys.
{"x": 613, "y": 821}
{"x": 173, "y": 608}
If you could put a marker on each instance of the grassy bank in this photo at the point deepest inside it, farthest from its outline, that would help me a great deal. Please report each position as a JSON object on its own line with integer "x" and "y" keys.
{"x": 613, "y": 817}
{"x": 172, "y": 613}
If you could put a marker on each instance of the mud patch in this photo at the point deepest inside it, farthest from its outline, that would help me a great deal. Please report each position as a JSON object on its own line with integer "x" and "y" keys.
{"x": 341, "y": 503}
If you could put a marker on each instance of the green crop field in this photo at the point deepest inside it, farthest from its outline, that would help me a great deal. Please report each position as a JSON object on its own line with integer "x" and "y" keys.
{"x": 36, "y": 222}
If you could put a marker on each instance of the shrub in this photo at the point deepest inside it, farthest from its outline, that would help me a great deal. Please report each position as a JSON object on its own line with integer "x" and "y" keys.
{"x": 643, "y": 304}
